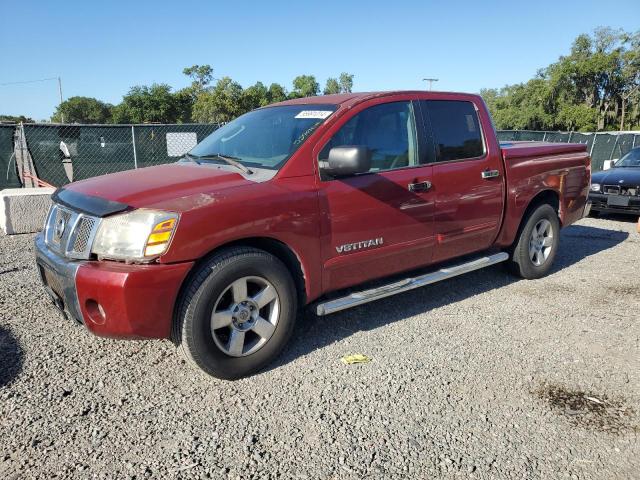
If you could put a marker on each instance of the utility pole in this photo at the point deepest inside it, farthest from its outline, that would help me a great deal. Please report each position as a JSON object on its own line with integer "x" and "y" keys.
{"x": 430, "y": 80}
{"x": 60, "y": 92}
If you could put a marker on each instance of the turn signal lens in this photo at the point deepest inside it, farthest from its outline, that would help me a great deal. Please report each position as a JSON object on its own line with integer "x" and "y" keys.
{"x": 159, "y": 238}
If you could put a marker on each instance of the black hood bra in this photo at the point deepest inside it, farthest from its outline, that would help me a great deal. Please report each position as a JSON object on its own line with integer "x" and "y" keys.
{"x": 96, "y": 206}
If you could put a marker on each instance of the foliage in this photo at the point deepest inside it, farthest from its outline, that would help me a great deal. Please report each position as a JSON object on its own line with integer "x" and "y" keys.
{"x": 200, "y": 74}
{"x": 595, "y": 87}
{"x": 332, "y": 86}
{"x": 144, "y": 104}
{"x": 82, "y": 110}
{"x": 344, "y": 84}
{"x": 16, "y": 119}
{"x": 199, "y": 102}
{"x": 304, "y": 86}
{"x": 222, "y": 103}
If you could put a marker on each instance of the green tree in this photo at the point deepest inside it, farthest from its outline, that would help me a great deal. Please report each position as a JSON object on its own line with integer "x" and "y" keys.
{"x": 144, "y": 104}
{"x": 346, "y": 82}
{"x": 305, "y": 86}
{"x": 16, "y": 119}
{"x": 222, "y": 103}
{"x": 82, "y": 110}
{"x": 595, "y": 87}
{"x": 201, "y": 76}
{"x": 332, "y": 86}
{"x": 255, "y": 96}
{"x": 276, "y": 93}
{"x": 342, "y": 84}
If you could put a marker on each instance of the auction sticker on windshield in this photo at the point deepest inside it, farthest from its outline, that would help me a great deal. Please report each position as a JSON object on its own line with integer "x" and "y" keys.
{"x": 314, "y": 114}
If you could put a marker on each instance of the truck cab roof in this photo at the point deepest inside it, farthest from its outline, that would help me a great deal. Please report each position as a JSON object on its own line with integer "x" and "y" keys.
{"x": 345, "y": 99}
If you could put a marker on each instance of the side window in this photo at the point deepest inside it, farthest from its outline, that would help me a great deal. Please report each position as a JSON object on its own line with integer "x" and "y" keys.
{"x": 387, "y": 130}
{"x": 456, "y": 129}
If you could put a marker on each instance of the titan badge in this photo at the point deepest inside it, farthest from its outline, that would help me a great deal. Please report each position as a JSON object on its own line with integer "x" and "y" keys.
{"x": 350, "y": 247}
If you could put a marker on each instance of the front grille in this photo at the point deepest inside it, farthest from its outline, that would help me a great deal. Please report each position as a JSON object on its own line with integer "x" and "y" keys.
{"x": 83, "y": 234}
{"x": 70, "y": 233}
{"x": 629, "y": 190}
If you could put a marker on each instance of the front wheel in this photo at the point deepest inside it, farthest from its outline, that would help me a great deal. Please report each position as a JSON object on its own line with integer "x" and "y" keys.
{"x": 237, "y": 312}
{"x": 535, "y": 249}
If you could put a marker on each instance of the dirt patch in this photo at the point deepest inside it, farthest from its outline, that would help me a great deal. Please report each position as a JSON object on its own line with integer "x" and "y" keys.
{"x": 590, "y": 410}
{"x": 624, "y": 289}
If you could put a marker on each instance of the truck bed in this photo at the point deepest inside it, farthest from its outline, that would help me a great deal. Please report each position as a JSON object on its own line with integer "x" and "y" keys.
{"x": 521, "y": 149}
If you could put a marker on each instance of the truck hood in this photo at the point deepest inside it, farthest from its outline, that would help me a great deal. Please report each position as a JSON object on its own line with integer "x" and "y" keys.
{"x": 618, "y": 176}
{"x": 178, "y": 186}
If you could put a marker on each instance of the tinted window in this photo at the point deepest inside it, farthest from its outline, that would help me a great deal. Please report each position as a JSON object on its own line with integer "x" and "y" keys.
{"x": 387, "y": 130}
{"x": 456, "y": 130}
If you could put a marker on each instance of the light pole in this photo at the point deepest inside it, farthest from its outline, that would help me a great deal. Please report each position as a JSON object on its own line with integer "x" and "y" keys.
{"x": 430, "y": 80}
{"x": 60, "y": 92}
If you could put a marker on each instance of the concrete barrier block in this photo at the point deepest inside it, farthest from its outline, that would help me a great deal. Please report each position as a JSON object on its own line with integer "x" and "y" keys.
{"x": 23, "y": 210}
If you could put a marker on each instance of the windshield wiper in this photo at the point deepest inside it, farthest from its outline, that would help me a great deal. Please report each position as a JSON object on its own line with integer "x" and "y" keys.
{"x": 191, "y": 158}
{"x": 233, "y": 161}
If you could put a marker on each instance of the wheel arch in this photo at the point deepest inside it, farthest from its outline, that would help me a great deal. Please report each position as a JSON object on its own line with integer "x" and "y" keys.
{"x": 545, "y": 197}
{"x": 277, "y": 248}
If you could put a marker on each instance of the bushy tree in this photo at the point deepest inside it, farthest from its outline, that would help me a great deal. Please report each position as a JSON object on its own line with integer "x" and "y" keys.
{"x": 222, "y": 103}
{"x": 332, "y": 86}
{"x": 305, "y": 86}
{"x": 346, "y": 82}
{"x": 144, "y": 104}
{"x": 255, "y": 96}
{"x": 343, "y": 84}
{"x": 82, "y": 110}
{"x": 276, "y": 93}
{"x": 201, "y": 76}
{"x": 595, "y": 87}
{"x": 16, "y": 119}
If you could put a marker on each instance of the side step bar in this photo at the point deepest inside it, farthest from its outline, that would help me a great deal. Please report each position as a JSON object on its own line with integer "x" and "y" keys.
{"x": 358, "y": 298}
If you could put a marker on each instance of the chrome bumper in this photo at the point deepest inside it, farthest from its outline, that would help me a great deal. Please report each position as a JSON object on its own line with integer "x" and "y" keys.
{"x": 58, "y": 276}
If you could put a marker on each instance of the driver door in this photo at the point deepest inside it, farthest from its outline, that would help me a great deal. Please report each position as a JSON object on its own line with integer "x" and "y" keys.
{"x": 379, "y": 222}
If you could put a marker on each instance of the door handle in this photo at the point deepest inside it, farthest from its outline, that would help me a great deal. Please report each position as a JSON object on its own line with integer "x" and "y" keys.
{"x": 490, "y": 174}
{"x": 420, "y": 186}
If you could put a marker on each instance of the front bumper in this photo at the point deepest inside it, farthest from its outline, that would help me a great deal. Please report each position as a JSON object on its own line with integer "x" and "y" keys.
{"x": 112, "y": 299}
{"x": 600, "y": 203}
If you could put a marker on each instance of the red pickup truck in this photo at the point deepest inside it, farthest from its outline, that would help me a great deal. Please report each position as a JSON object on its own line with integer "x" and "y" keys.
{"x": 330, "y": 201}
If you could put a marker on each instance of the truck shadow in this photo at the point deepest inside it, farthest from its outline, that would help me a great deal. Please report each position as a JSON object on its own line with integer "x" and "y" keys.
{"x": 578, "y": 242}
{"x": 11, "y": 357}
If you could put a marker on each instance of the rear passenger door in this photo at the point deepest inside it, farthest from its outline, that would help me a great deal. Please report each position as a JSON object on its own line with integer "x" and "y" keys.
{"x": 468, "y": 181}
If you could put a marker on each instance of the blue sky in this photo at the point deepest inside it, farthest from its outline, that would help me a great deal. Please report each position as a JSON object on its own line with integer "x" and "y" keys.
{"x": 101, "y": 49}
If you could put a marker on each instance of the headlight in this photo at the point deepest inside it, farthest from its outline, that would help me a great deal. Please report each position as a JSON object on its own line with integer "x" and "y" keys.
{"x": 595, "y": 187}
{"x": 140, "y": 235}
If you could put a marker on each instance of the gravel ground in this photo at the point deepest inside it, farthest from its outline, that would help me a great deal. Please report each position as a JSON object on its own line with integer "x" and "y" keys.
{"x": 482, "y": 376}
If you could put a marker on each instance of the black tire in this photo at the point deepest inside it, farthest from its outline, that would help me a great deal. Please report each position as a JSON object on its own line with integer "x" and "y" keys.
{"x": 594, "y": 213}
{"x": 521, "y": 263}
{"x": 192, "y": 329}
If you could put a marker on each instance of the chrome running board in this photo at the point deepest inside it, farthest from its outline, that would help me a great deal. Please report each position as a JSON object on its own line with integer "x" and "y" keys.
{"x": 358, "y": 298}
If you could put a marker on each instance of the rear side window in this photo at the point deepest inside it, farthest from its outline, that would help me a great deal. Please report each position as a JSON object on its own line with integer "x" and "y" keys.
{"x": 456, "y": 129}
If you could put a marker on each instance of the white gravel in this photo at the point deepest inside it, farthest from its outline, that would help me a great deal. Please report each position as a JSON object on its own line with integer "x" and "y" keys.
{"x": 460, "y": 385}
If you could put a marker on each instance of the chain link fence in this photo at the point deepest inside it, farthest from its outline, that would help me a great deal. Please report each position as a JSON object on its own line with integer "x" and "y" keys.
{"x": 602, "y": 146}
{"x": 59, "y": 153}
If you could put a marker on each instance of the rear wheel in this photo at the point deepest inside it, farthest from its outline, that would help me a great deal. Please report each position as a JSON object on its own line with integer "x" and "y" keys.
{"x": 236, "y": 313}
{"x": 535, "y": 249}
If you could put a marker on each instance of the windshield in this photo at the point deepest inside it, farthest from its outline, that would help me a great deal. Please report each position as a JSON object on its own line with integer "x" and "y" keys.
{"x": 264, "y": 138}
{"x": 631, "y": 159}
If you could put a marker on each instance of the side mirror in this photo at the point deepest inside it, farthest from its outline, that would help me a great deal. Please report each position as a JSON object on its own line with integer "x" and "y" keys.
{"x": 349, "y": 160}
